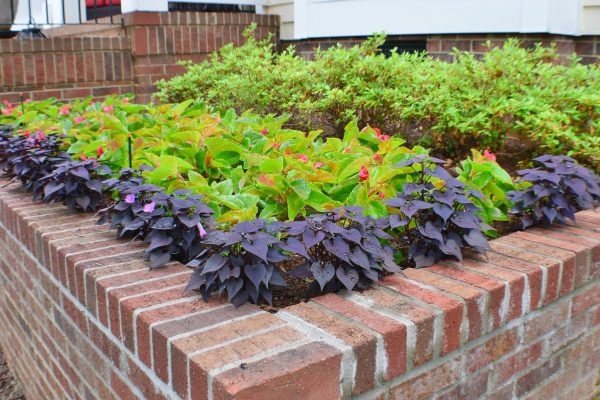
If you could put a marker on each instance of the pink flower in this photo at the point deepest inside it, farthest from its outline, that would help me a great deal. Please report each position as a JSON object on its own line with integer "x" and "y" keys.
{"x": 64, "y": 110}
{"x": 201, "y": 230}
{"x": 108, "y": 109}
{"x": 27, "y": 101}
{"x": 7, "y": 103}
{"x": 303, "y": 157}
{"x": 488, "y": 155}
{"x": 125, "y": 100}
{"x": 319, "y": 164}
{"x": 383, "y": 138}
{"x": 78, "y": 120}
{"x": 276, "y": 145}
{"x": 364, "y": 173}
{"x": 264, "y": 132}
{"x": 149, "y": 207}
{"x": 7, "y": 111}
{"x": 377, "y": 157}
{"x": 378, "y": 131}
{"x": 130, "y": 198}
{"x": 381, "y": 195}
{"x": 100, "y": 151}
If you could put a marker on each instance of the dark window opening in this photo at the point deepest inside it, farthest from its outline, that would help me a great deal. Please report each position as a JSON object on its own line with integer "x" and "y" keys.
{"x": 205, "y": 7}
{"x": 403, "y": 46}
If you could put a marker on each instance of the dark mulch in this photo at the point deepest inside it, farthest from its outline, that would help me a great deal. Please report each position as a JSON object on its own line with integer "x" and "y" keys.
{"x": 10, "y": 388}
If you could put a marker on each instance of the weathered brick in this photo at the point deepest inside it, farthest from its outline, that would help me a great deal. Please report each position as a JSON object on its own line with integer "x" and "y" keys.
{"x": 530, "y": 380}
{"x": 492, "y": 349}
{"x": 361, "y": 341}
{"x": 392, "y": 332}
{"x": 426, "y": 384}
{"x": 452, "y": 309}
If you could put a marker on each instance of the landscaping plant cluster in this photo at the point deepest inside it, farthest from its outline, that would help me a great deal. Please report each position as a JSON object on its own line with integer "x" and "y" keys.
{"x": 511, "y": 92}
{"x": 252, "y": 206}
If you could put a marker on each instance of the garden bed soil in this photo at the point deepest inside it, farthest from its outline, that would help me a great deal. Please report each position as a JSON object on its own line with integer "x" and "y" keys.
{"x": 10, "y": 388}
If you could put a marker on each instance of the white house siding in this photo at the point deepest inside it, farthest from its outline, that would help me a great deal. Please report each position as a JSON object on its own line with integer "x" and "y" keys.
{"x": 339, "y": 18}
{"x": 285, "y": 10}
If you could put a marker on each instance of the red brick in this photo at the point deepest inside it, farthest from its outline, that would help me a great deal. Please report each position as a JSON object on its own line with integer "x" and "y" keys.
{"x": 362, "y": 342}
{"x": 491, "y": 350}
{"x": 579, "y": 250}
{"x": 475, "y": 299}
{"x": 529, "y": 381}
{"x": 393, "y": 332}
{"x": 423, "y": 319}
{"x": 162, "y": 332}
{"x": 239, "y": 338}
{"x": 531, "y": 271}
{"x": 586, "y": 299}
{"x": 453, "y": 309}
{"x": 426, "y": 384}
{"x": 524, "y": 358}
{"x": 316, "y": 377}
{"x": 494, "y": 287}
{"x": 546, "y": 322}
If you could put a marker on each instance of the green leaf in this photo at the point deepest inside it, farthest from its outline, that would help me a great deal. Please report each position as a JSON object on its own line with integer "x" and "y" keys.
{"x": 272, "y": 166}
{"x": 295, "y": 204}
{"x": 301, "y": 188}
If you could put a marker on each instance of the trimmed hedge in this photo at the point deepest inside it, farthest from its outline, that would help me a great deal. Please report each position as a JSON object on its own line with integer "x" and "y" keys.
{"x": 450, "y": 107}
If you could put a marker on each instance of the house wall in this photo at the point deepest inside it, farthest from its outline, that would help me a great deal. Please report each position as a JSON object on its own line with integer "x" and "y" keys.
{"x": 83, "y": 317}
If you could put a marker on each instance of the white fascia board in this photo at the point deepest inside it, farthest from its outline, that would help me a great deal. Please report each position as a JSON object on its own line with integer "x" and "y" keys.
{"x": 339, "y": 18}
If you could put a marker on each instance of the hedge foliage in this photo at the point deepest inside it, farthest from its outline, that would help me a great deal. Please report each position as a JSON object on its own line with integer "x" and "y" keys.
{"x": 450, "y": 107}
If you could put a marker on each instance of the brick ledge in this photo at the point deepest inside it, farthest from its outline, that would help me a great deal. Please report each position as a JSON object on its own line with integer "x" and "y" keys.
{"x": 159, "y": 342}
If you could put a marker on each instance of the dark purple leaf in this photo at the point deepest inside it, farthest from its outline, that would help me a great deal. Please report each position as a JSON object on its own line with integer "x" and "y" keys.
{"x": 348, "y": 279}
{"x": 322, "y": 273}
{"x": 256, "y": 273}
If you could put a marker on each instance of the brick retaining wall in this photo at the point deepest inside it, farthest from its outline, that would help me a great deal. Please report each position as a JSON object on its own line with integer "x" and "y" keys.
{"x": 76, "y": 62}
{"x": 442, "y": 46}
{"x": 83, "y": 317}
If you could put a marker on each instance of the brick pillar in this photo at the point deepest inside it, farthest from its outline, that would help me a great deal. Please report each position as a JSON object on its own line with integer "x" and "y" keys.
{"x": 160, "y": 40}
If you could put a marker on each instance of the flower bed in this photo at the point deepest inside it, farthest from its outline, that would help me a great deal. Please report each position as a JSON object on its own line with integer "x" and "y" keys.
{"x": 514, "y": 100}
{"x": 251, "y": 206}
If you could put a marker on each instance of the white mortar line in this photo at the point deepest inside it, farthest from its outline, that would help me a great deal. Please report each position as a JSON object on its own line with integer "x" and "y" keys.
{"x": 381, "y": 359}
{"x": 152, "y": 325}
{"x": 163, "y": 388}
{"x": 411, "y": 328}
{"x": 223, "y": 344}
{"x": 200, "y": 330}
{"x": 165, "y": 289}
{"x": 268, "y": 353}
{"x": 348, "y": 366}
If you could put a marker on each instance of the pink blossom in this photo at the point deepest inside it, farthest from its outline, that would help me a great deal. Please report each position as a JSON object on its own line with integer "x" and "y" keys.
{"x": 108, "y": 109}
{"x": 381, "y": 195}
{"x": 319, "y": 164}
{"x": 7, "y": 103}
{"x": 78, "y": 120}
{"x": 125, "y": 100}
{"x": 201, "y": 230}
{"x": 303, "y": 157}
{"x": 378, "y": 131}
{"x": 276, "y": 145}
{"x": 100, "y": 151}
{"x": 488, "y": 155}
{"x": 130, "y": 198}
{"x": 264, "y": 132}
{"x": 149, "y": 207}
{"x": 364, "y": 173}
{"x": 64, "y": 110}
{"x": 383, "y": 138}
{"x": 377, "y": 157}
{"x": 7, "y": 111}
{"x": 27, "y": 101}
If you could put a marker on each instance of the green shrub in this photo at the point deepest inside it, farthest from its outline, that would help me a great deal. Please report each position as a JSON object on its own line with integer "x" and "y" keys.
{"x": 452, "y": 107}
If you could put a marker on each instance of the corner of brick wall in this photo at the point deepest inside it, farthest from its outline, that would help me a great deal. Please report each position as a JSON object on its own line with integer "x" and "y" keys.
{"x": 83, "y": 317}
{"x": 84, "y": 60}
